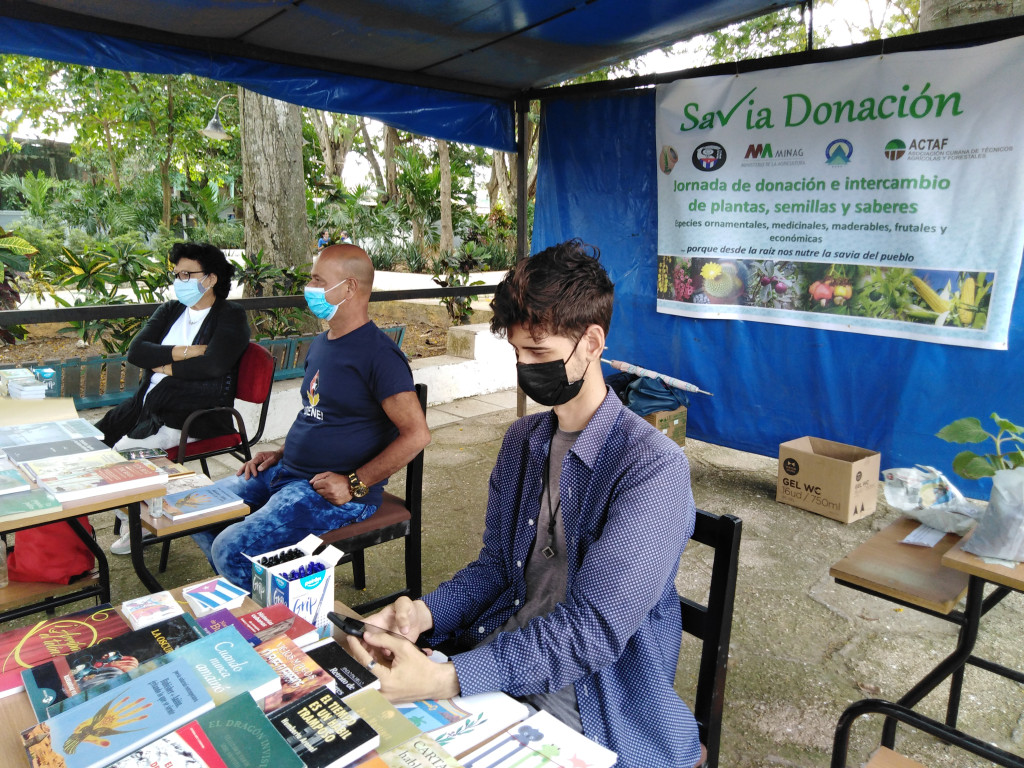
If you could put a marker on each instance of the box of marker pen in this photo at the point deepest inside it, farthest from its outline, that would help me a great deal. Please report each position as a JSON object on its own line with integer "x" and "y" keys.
{"x": 310, "y": 595}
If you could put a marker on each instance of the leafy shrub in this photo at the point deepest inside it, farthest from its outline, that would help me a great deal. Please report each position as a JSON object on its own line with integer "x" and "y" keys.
{"x": 415, "y": 259}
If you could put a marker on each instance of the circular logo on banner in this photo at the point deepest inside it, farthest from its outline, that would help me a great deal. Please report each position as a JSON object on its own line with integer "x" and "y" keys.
{"x": 709, "y": 156}
{"x": 790, "y": 466}
{"x": 895, "y": 149}
{"x": 838, "y": 152}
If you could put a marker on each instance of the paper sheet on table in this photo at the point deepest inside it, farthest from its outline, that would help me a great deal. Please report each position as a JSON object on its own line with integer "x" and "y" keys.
{"x": 924, "y": 536}
{"x": 14, "y": 412}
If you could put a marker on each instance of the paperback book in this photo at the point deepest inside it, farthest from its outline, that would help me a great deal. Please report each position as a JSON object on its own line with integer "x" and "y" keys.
{"x": 12, "y": 481}
{"x": 461, "y": 723}
{"x": 227, "y": 666}
{"x": 323, "y": 731}
{"x": 33, "y": 501}
{"x": 234, "y": 734}
{"x": 213, "y": 595}
{"x": 198, "y": 501}
{"x": 299, "y": 674}
{"x": 46, "y": 432}
{"x": 211, "y": 622}
{"x": 280, "y": 619}
{"x": 349, "y": 675}
{"x": 65, "y": 676}
{"x": 149, "y": 609}
{"x": 420, "y": 751}
{"x": 86, "y": 475}
{"x": 111, "y": 726}
{"x": 541, "y": 739}
{"x": 20, "y": 454}
{"x": 392, "y": 726}
{"x": 25, "y": 647}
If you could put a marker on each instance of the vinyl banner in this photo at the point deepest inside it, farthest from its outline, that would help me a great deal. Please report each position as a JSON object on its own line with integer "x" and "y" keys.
{"x": 880, "y": 195}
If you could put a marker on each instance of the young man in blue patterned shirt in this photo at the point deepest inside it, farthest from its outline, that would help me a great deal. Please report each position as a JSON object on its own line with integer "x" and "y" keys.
{"x": 571, "y": 605}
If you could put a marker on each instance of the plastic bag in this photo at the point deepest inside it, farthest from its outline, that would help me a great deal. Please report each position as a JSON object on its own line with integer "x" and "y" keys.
{"x": 925, "y": 494}
{"x": 50, "y": 553}
{"x": 1000, "y": 531}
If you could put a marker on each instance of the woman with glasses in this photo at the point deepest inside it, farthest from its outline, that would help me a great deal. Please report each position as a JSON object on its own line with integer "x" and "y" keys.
{"x": 189, "y": 352}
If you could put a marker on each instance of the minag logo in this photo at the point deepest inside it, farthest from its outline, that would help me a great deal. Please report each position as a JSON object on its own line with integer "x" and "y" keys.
{"x": 709, "y": 156}
{"x": 895, "y": 149}
{"x": 765, "y": 152}
{"x": 838, "y": 152}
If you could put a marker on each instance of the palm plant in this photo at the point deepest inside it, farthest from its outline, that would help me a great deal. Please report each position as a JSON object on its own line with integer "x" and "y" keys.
{"x": 36, "y": 190}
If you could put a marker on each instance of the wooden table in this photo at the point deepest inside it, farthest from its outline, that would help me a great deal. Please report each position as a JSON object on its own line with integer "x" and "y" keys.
{"x": 19, "y": 599}
{"x": 932, "y": 580}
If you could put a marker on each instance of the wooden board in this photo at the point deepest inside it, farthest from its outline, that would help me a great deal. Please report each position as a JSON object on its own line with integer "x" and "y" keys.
{"x": 162, "y": 526}
{"x": 956, "y": 558}
{"x": 886, "y": 758}
{"x": 913, "y": 574}
{"x": 19, "y": 593}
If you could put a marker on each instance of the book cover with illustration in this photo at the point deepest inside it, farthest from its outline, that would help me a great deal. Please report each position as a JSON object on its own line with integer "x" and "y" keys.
{"x": 420, "y": 751}
{"x": 111, "y": 726}
{"x": 349, "y": 674}
{"x": 84, "y": 475}
{"x": 541, "y": 739}
{"x": 233, "y": 734}
{"x": 68, "y": 675}
{"x": 46, "y": 432}
{"x": 280, "y": 619}
{"x": 149, "y": 609}
{"x": 214, "y": 595}
{"x": 324, "y": 731}
{"x": 226, "y": 663}
{"x": 392, "y": 726}
{"x": 211, "y": 622}
{"x": 25, "y": 647}
{"x": 20, "y": 454}
{"x": 34, "y": 501}
{"x": 461, "y": 723}
{"x": 12, "y": 481}
{"x": 299, "y": 674}
{"x": 197, "y": 501}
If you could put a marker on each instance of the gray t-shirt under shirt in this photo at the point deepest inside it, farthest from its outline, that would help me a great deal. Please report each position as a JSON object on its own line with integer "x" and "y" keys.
{"x": 546, "y": 578}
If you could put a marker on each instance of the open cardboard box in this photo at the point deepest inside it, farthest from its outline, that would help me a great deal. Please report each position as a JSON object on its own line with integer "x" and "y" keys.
{"x": 833, "y": 479}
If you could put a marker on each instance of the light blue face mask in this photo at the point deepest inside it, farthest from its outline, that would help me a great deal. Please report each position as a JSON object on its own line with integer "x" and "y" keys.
{"x": 189, "y": 292}
{"x": 316, "y": 300}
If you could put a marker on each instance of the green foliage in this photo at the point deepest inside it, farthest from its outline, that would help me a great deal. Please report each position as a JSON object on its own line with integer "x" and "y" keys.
{"x": 14, "y": 253}
{"x": 414, "y": 257}
{"x": 452, "y": 270}
{"x": 36, "y": 191}
{"x": 1008, "y": 442}
{"x": 385, "y": 256}
{"x": 259, "y": 277}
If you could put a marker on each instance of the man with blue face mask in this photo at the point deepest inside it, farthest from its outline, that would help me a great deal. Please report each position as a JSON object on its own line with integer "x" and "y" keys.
{"x": 360, "y": 423}
{"x": 571, "y": 605}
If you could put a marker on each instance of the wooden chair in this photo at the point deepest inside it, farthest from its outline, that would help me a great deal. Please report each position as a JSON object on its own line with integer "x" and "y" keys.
{"x": 712, "y": 624}
{"x": 395, "y": 518}
{"x": 887, "y": 758}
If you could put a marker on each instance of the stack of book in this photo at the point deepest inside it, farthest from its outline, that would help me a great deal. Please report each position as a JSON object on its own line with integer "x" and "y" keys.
{"x": 46, "y": 432}
{"x": 149, "y": 609}
{"x": 86, "y": 475}
{"x": 27, "y": 389}
{"x": 7, "y": 375}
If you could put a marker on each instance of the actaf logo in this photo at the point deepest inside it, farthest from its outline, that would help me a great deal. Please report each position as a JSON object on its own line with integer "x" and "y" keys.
{"x": 838, "y": 152}
{"x": 895, "y": 149}
{"x": 709, "y": 156}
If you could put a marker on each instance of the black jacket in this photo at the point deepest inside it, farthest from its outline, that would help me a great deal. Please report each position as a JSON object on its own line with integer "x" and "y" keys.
{"x": 203, "y": 381}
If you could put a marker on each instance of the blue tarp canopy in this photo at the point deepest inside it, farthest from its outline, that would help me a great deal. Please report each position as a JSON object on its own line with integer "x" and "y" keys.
{"x": 443, "y": 69}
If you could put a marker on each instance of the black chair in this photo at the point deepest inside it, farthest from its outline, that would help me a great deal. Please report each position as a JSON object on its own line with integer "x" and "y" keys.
{"x": 395, "y": 518}
{"x": 712, "y": 624}
{"x": 886, "y": 758}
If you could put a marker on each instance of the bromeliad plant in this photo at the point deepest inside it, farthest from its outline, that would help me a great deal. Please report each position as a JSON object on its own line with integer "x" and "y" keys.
{"x": 1009, "y": 446}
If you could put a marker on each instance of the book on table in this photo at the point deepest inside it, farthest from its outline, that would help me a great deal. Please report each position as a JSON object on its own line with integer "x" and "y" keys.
{"x": 299, "y": 674}
{"x": 214, "y": 595}
{"x": 198, "y": 501}
{"x": 541, "y": 739}
{"x": 324, "y": 731}
{"x": 233, "y": 734}
{"x": 461, "y": 723}
{"x": 149, "y": 609}
{"x": 276, "y": 619}
{"x": 68, "y": 675}
{"x": 12, "y": 481}
{"x": 20, "y": 454}
{"x": 86, "y": 475}
{"x": 108, "y": 727}
{"x": 392, "y": 726}
{"x": 46, "y": 432}
{"x": 420, "y": 751}
{"x": 178, "y": 484}
{"x": 227, "y": 664}
{"x": 33, "y": 501}
{"x": 349, "y": 675}
{"x": 211, "y": 622}
{"x": 25, "y": 647}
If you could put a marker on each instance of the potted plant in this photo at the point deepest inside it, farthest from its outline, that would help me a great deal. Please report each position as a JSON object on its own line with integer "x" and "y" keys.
{"x": 1008, "y": 441}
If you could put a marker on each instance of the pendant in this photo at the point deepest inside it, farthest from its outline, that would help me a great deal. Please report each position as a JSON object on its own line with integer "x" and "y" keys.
{"x": 548, "y": 552}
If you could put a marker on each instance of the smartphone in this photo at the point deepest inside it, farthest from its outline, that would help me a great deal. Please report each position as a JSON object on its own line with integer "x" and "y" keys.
{"x": 358, "y": 628}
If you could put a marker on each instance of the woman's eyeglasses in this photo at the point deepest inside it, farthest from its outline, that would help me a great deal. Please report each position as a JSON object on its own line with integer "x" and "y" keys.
{"x": 185, "y": 274}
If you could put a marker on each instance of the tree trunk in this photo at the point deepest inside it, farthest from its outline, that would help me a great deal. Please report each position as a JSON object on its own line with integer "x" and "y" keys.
{"x": 371, "y": 156}
{"x": 390, "y": 167}
{"x": 336, "y": 134}
{"x": 273, "y": 188}
{"x": 941, "y": 14}
{"x": 447, "y": 244}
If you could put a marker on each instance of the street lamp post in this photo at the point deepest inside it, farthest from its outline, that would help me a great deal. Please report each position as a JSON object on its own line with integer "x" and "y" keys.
{"x": 214, "y": 129}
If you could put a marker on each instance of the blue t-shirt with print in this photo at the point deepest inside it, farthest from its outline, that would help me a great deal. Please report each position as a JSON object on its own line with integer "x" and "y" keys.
{"x": 342, "y": 425}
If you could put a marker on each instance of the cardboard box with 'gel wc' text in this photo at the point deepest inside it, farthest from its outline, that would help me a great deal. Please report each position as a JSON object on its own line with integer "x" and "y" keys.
{"x": 310, "y": 596}
{"x": 833, "y": 479}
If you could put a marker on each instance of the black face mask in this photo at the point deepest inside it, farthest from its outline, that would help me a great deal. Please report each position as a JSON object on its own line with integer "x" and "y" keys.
{"x": 548, "y": 383}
